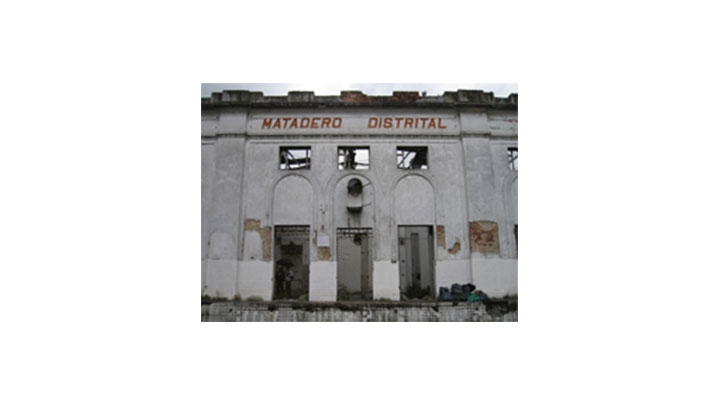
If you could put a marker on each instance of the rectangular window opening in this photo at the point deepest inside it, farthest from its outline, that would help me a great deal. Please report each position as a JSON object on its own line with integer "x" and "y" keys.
{"x": 295, "y": 157}
{"x": 412, "y": 157}
{"x": 353, "y": 158}
{"x": 513, "y": 158}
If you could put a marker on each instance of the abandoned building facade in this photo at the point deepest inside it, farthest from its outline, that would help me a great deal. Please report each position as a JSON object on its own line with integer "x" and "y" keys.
{"x": 361, "y": 197}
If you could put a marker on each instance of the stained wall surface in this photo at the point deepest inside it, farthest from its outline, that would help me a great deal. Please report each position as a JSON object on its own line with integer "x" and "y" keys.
{"x": 467, "y": 195}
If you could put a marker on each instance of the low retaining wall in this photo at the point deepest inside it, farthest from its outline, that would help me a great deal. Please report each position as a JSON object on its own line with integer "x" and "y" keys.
{"x": 356, "y": 312}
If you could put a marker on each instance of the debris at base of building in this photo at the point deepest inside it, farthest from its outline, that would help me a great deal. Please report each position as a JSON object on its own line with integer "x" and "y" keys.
{"x": 358, "y": 312}
{"x": 465, "y": 292}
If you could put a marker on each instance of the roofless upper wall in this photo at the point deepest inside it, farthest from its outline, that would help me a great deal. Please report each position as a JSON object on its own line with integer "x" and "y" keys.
{"x": 449, "y": 99}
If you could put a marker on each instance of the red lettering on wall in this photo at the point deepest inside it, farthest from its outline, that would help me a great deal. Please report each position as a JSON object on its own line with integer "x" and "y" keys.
{"x": 336, "y": 122}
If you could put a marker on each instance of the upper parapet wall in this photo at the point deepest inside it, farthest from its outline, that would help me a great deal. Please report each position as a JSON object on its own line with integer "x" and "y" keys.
{"x": 460, "y": 98}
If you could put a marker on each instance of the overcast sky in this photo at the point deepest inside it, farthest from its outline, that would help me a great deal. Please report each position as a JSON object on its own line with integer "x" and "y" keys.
{"x": 377, "y": 89}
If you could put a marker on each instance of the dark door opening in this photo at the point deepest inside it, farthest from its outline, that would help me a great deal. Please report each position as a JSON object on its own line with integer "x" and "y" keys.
{"x": 417, "y": 262}
{"x": 354, "y": 265}
{"x": 292, "y": 263}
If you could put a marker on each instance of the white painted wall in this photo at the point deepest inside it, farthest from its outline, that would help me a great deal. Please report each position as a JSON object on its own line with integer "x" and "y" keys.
{"x": 253, "y": 246}
{"x": 449, "y": 272}
{"x": 221, "y": 277}
{"x": 323, "y": 281}
{"x": 495, "y": 277}
{"x": 255, "y": 279}
{"x": 386, "y": 280}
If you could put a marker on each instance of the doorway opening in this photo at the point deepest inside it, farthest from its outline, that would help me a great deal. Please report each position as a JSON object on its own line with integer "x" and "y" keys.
{"x": 354, "y": 264}
{"x": 292, "y": 262}
{"x": 417, "y": 262}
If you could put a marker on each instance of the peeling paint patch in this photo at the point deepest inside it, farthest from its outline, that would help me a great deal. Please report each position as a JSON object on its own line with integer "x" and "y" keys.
{"x": 253, "y": 225}
{"x": 323, "y": 253}
{"x": 441, "y": 236}
{"x": 484, "y": 237}
{"x": 455, "y": 248}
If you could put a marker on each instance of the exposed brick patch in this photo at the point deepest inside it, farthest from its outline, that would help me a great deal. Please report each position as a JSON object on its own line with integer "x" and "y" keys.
{"x": 323, "y": 253}
{"x": 441, "y": 236}
{"x": 455, "y": 248}
{"x": 253, "y": 225}
{"x": 484, "y": 237}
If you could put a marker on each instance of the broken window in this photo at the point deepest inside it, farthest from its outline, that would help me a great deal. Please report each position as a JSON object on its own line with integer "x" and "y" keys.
{"x": 513, "y": 158}
{"x": 353, "y": 158}
{"x": 294, "y": 158}
{"x": 412, "y": 157}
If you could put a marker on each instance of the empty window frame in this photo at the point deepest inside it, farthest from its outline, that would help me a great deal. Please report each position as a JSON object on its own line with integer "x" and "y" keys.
{"x": 353, "y": 158}
{"x": 412, "y": 157}
{"x": 294, "y": 157}
{"x": 513, "y": 158}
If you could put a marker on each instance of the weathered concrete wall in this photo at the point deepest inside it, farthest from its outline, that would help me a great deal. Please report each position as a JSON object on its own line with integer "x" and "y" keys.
{"x": 414, "y": 201}
{"x": 293, "y": 201}
{"x": 450, "y": 272}
{"x": 221, "y": 278}
{"x": 245, "y": 193}
{"x": 492, "y": 203}
{"x": 255, "y": 279}
{"x": 377, "y": 312}
{"x": 386, "y": 280}
{"x": 323, "y": 281}
{"x": 495, "y": 277}
{"x": 206, "y": 189}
